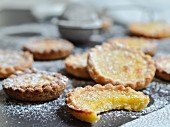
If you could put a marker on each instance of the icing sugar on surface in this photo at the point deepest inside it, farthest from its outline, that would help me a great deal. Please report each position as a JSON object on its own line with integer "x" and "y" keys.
{"x": 55, "y": 112}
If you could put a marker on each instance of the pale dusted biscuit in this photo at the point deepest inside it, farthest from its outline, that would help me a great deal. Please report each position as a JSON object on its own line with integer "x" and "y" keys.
{"x": 147, "y": 46}
{"x": 86, "y": 103}
{"x": 118, "y": 65}
{"x": 77, "y": 65}
{"x": 48, "y": 48}
{"x": 11, "y": 61}
{"x": 163, "y": 67}
{"x": 150, "y": 30}
{"x": 33, "y": 85}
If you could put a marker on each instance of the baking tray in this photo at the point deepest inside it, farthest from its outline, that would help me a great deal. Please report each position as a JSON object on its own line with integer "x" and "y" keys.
{"x": 54, "y": 113}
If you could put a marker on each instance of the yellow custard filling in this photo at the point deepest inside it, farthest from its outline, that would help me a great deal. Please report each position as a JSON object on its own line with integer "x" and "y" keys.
{"x": 132, "y": 42}
{"x": 151, "y": 27}
{"x": 101, "y": 101}
{"x": 120, "y": 65}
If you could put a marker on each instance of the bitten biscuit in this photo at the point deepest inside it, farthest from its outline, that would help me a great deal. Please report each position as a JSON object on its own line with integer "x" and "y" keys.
{"x": 86, "y": 103}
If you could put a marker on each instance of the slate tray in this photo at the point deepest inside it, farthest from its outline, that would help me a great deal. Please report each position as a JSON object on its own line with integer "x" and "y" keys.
{"x": 54, "y": 113}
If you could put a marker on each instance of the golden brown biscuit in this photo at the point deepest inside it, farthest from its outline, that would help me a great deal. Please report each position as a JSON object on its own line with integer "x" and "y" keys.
{"x": 48, "y": 48}
{"x": 163, "y": 67}
{"x": 150, "y": 30}
{"x": 32, "y": 85}
{"x": 147, "y": 46}
{"x": 112, "y": 63}
{"x": 85, "y": 103}
{"x": 77, "y": 65}
{"x": 11, "y": 61}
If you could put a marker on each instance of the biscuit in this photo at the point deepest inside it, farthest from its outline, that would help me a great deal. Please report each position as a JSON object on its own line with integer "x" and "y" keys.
{"x": 33, "y": 85}
{"x": 77, "y": 65}
{"x": 85, "y": 103}
{"x": 147, "y": 46}
{"x": 150, "y": 30}
{"x": 163, "y": 67}
{"x": 11, "y": 61}
{"x": 118, "y": 65}
{"x": 48, "y": 48}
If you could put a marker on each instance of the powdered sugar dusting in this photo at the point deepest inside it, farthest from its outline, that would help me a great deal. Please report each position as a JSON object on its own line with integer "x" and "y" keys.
{"x": 55, "y": 113}
{"x": 56, "y": 110}
{"x": 42, "y": 112}
{"x": 9, "y": 58}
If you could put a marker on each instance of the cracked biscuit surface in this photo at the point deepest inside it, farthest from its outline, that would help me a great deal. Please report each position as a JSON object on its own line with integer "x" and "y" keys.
{"x": 11, "y": 61}
{"x": 118, "y": 65}
{"x": 33, "y": 85}
{"x": 48, "y": 48}
{"x": 86, "y": 103}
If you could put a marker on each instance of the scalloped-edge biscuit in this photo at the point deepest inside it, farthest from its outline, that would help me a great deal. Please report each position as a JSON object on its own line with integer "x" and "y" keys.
{"x": 48, "y": 48}
{"x": 150, "y": 30}
{"x": 33, "y": 85}
{"x": 77, "y": 65}
{"x": 118, "y": 65}
{"x": 11, "y": 61}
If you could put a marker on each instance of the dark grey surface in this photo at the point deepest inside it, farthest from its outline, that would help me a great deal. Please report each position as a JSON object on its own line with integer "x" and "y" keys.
{"x": 159, "y": 118}
{"x": 15, "y": 16}
{"x": 54, "y": 113}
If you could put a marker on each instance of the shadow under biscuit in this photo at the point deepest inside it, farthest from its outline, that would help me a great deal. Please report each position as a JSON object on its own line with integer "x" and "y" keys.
{"x": 64, "y": 72}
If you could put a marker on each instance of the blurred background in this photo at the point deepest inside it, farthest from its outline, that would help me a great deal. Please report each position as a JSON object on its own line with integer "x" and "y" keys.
{"x": 77, "y": 20}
